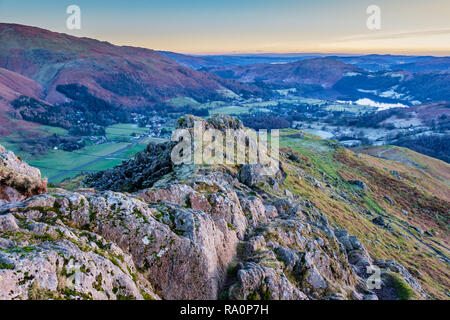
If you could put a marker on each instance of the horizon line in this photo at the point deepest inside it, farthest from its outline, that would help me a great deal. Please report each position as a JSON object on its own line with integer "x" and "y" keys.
{"x": 393, "y": 52}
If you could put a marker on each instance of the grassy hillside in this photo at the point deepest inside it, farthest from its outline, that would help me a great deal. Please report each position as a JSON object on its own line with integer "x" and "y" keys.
{"x": 414, "y": 202}
{"x": 433, "y": 174}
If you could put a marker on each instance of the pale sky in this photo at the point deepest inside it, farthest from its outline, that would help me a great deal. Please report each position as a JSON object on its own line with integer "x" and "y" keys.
{"x": 249, "y": 26}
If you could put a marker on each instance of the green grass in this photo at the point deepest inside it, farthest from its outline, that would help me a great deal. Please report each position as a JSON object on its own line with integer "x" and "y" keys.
{"x": 123, "y": 131}
{"x": 317, "y": 151}
{"x": 372, "y": 205}
{"x": 15, "y": 141}
{"x": 404, "y": 291}
{"x": 183, "y": 101}
{"x": 130, "y": 152}
{"x": 103, "y": 164}
{"x": 55, "y": 162}
{"x": 53, "y": 130}
{"x": 101, "y": 150}
{"x": 213, "y": 104}
{"x": 62, "y": 160}
{"x": 230, "y": 110}
{"x": 229, "y": 94}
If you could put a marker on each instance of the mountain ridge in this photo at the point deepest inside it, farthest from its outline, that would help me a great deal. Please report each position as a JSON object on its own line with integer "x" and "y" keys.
{"x": 122, "y": 75}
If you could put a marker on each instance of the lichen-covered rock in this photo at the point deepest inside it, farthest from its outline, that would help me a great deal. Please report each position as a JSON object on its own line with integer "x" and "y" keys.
{"x": 256, "y": 282}
{"x": 42, "y": 258}
{"x": 255, "y": 175}
{"x": 18, "y": 180}
{"x": 182, "y": 251}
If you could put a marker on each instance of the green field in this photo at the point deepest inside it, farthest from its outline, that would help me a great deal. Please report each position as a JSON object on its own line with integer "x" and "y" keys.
{"x": 101, "y": 150}
{"x": 230, "y": 110}
{"x": 13, "y": 142}
{"x": 55, "y": 162}
{"x": 182, "y": 102}
{"x": 53, "y": 130}
{"x": 58, "y": 165}
{"x": 123, "y": 132}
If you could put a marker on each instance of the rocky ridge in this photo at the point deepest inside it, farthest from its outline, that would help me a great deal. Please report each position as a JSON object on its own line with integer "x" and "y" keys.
{"x": 196, "y": 232}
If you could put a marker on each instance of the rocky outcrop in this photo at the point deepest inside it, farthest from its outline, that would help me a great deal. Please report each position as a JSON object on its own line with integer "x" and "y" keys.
{"x": 18, "y": 180}
{"x": 136, "y": 174}
{"x": 153, "y": 163}
{"x": 254, "y": 175}
{"x": 217, "y": 121}
{"x": 181, "y": 240}
{"x": 192, "y": 233}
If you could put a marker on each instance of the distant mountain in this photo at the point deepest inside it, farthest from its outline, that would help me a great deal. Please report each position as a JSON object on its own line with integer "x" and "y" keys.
{"x": 193, "y": 62}
{"x": 120, "y": 75}
{"x": 371, "y": 62}
{"x": 430, "y": 64}
{"x": 324, "y": 72}
{"x": 216, "y": 61}
{"x": 378, "y": 62}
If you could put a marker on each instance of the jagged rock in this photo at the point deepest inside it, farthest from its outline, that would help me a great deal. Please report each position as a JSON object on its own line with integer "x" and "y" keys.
{"x": 18, "y": 180}
{"x": 8, "y": 223}
{"x": 283, "y": 206}
{"x": 54, "y": 261}
{"x": 174, "y": 193}
{"x": 171, "y": 245}
{"x": 188, "y": 121}
{"x": 223, "y": 122}
{"x": 254, "y": 244}
{"x": 258, "y": 282}
{"x": 217, "y": 121}
{"x": 136, "y": 174}
{"x": 255, "y": 210}
{"x": 271, "y": 211}
{"x": 254, "y": 175}
{"x": 289, "y": 256}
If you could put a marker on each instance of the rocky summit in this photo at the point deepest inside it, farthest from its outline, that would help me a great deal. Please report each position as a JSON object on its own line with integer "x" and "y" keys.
{"x": 18, "y": 180}
{"x": 148, "y": 229}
